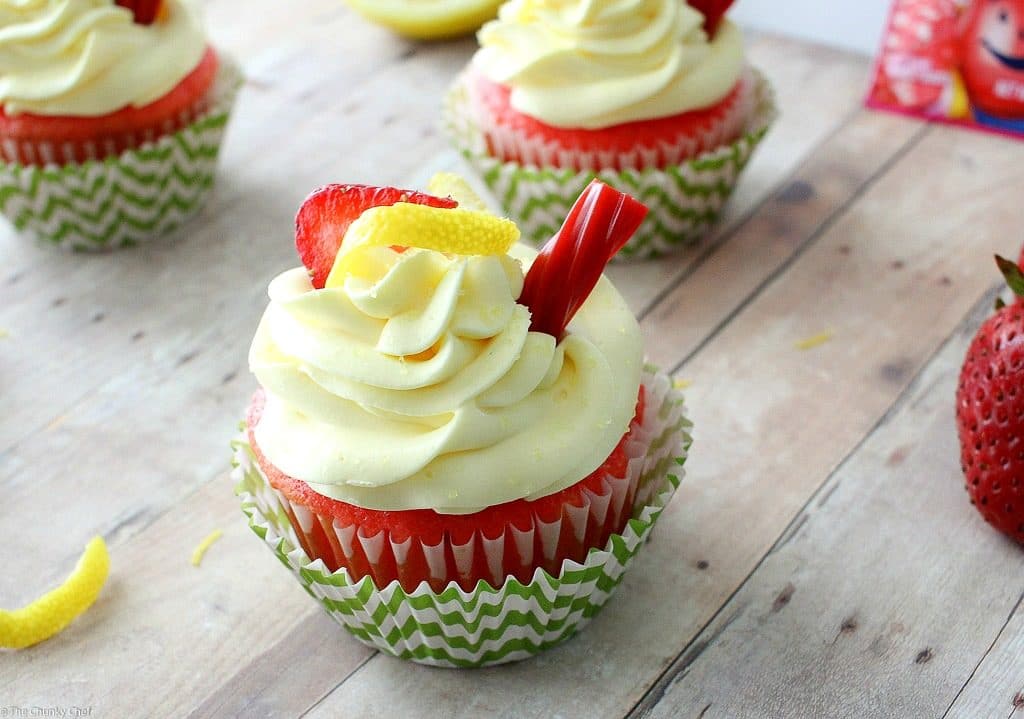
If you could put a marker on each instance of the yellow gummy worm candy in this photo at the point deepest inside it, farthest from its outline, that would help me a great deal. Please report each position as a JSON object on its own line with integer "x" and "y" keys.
{"x": 448, "y": 184}
{"x": 56, "y": 609}
{"x": 457, "y": 231}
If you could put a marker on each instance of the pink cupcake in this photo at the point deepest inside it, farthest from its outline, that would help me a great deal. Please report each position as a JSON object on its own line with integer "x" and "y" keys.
{"x": 443, "y": 413}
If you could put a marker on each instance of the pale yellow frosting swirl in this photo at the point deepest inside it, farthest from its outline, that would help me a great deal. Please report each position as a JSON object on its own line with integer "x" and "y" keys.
{"x": 89, "y": 58}
{"x": 422, "y": 386}
{"x": 597, "y": 63}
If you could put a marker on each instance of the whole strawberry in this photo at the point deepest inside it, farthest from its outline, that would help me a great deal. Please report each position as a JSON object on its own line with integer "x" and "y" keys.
{"x": 990, "y": 413}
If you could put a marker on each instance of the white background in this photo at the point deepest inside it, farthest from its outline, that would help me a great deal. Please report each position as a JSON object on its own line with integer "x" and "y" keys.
{"x": 851, "y": 24}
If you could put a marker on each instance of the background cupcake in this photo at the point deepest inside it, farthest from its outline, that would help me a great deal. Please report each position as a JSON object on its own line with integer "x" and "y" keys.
{"x": 111, "y": 117}
{"x": 432, "y": 424}
{"x": 651, "y": 96}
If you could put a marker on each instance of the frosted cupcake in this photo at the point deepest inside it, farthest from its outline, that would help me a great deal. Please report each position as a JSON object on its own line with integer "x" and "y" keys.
{"x": 111, "y": 117}
{"x": 652, "y": 96}
{"x": 441, "y": 436}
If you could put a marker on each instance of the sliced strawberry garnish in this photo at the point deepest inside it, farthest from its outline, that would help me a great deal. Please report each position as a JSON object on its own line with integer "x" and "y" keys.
{"x": 567, "y": 269}
{"x": 713, "y": 12}
{"x": 325, "y": 216}
{"x": 145, "y": 11}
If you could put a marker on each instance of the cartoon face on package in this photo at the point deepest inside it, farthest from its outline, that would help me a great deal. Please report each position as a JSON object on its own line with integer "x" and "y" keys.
{"x": 959, "y": 61}
{"x": 992, "y": 58}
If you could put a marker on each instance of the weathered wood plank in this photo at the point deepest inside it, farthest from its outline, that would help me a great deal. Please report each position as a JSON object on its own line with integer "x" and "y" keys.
{"x": 893, "y": 278}
{"x": 880, "y": 598}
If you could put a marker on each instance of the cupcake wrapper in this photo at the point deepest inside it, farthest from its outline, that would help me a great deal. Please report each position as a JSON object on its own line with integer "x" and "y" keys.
{"x": 486, "y": 626}
{"x": 126, "y": 199}
{"x": 46, "y": 152}
{"x": 685, "y": 199}
{"x": 511, "y": 551}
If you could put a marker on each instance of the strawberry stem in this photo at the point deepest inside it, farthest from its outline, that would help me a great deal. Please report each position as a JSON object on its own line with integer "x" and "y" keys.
{"x": 570, "y": 264}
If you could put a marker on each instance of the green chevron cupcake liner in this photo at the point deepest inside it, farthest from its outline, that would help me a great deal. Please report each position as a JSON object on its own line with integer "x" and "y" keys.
{"x": 489, "y": 625}
{"x": 124, "y": 200}
{"x": 685, "y": 199}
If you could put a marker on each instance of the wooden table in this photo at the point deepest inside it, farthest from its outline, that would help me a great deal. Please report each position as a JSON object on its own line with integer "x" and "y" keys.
{"x": 821, "y": 559}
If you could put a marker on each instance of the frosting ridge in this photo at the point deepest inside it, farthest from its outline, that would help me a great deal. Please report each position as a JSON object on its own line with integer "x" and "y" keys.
{"x": 421, "y": 385}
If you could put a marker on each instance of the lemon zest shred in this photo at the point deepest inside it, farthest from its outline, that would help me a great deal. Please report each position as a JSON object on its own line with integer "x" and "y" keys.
{"x": 51, "y": 613}
{"x": 681, "y": 383}
{"x": 809, "y": 343}
{"x": 200, "y": 550}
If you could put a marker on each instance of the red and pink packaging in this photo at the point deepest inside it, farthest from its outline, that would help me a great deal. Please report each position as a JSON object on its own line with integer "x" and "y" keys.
{"x": 955, "y": 61}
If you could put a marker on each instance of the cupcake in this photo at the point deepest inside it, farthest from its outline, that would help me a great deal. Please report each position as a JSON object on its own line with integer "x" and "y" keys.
{"x": 653, "y": 97}
{"x": 111, "y": 118}
{"x": 456, "y": 445}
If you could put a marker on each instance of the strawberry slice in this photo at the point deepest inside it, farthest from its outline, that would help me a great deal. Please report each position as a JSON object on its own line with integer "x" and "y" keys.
{"x": 567, "y": 269}
{"x": 145, "y": 11}
{"x": 713, "y": 12}
{"x": 325, "y": 216}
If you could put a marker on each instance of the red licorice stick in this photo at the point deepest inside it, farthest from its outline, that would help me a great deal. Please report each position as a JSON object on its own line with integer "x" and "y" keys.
{"x": 713, "y": 12}
{"x": 567, "y": 269}
{"x": 145, "y": 11}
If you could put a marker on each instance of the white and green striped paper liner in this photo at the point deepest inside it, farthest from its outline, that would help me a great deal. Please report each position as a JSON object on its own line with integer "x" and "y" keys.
{"x": 487, "y": 626}
{"x": 123, "y": 200}
{"x": 685, "y": 200}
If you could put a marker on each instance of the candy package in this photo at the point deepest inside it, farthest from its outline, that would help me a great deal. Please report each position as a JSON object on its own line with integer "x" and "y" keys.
{"x": 956, "y": 61}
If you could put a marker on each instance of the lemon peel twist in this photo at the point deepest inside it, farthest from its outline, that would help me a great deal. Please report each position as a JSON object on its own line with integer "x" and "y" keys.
{"x": 200, "y": 551}
{"x": 55, "y": 610}
{"x": 456, "y": 231}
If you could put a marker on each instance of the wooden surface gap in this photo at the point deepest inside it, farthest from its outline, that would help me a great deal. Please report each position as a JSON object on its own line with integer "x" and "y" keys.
{"x": 981, "y": 660}
{"x": 344, "y": 679}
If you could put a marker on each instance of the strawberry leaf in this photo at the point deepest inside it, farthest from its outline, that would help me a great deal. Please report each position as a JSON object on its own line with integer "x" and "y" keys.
{"x": 1013, "y": 274}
